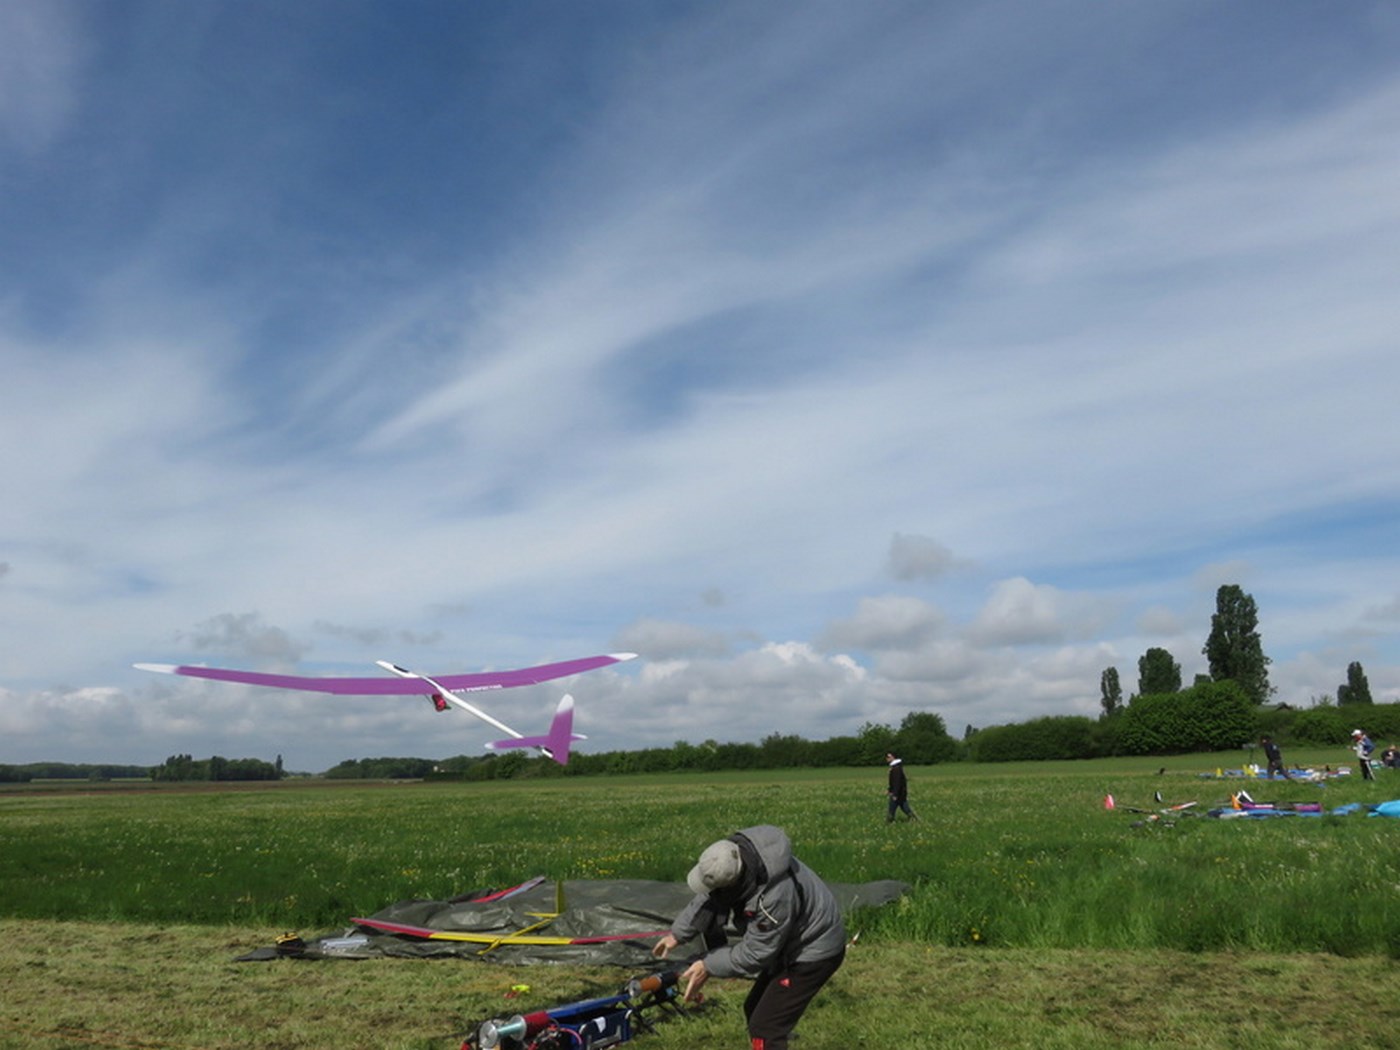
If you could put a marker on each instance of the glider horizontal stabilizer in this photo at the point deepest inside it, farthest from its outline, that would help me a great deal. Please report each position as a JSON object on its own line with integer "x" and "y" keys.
{"x": 556, "y": 743}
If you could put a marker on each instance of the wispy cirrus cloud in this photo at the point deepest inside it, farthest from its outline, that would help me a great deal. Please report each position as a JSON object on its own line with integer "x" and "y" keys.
{"x": 880, "y": 359}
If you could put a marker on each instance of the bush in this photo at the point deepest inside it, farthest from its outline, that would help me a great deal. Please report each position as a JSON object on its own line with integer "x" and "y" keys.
{"x": 1322, "y": 726}
{"x": 1069, "y": 736}
{"x": 1381, "y": 722}
{"x": 1212, "y": 716}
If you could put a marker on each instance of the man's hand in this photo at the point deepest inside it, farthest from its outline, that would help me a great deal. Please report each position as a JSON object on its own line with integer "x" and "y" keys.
{"x": 694, "y": 977}
{"x": 664, "y": 946}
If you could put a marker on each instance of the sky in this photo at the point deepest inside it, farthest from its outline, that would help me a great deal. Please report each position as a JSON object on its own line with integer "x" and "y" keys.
{"x": 841, "y": 360}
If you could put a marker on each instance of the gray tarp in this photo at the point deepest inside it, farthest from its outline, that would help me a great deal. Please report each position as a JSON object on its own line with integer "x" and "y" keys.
{"x": 595, "y": 908}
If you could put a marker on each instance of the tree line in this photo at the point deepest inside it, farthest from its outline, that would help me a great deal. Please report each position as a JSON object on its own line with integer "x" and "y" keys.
{"x": 216, "y": 768}
{"x": 23, "y": 774}
{"x": 1219, "y": 711}
{"x": 1226, "y": 708}
{"x": 921, "y": 739}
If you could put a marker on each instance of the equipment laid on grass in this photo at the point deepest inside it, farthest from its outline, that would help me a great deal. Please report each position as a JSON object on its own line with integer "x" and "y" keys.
{"x": 1307, "y": 776}
{"x": 1242, "y": 805}
{"x": 494, "y": 940}
{"x": 583, "y": 922}
{"x": 526, "y": 934}
{"x": 587, "y": 1024}
{"x": 1165, "y": 810}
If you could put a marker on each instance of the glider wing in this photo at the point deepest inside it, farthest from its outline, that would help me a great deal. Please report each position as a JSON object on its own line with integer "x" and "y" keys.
{"x": 457, "y": 683}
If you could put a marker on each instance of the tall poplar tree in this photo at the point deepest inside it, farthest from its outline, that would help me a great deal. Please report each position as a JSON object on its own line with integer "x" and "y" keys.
{"x": 1356, "y": 690}
{"x": 1110, "y": 692}
{"x": 1158, "y": 672}
{"x": 1234, "y": 650}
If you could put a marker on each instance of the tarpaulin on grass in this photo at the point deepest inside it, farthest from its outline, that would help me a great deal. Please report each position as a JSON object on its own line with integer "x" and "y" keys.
{"x": 583, "y": 922}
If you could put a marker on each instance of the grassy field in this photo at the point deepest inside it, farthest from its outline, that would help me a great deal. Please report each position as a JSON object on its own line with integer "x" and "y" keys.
{"x": 1037, "y": 918}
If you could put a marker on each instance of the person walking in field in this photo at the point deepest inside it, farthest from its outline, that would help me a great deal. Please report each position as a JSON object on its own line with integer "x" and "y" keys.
{"x": 898, "y": 789}
{"x": 1361, "y": 744}
{"x": 1274, "y": 757}
{"x": 792, "y": 936}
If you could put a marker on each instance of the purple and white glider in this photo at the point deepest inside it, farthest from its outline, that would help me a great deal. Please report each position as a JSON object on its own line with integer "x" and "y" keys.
{"x": 441, "y": 691}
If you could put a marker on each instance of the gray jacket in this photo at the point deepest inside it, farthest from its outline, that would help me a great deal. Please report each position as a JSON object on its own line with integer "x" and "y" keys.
{"x": 791, "y": 917}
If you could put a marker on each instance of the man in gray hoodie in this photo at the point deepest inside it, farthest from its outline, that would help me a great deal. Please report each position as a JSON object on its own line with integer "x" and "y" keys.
{"x": 792, "y": 936}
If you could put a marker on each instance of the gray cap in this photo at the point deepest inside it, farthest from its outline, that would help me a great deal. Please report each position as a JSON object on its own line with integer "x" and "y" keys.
{"x": 719, "y": 866}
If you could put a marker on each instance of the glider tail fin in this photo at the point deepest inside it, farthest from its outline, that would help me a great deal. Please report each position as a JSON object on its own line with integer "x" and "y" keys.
{"x": 556, "y": 743}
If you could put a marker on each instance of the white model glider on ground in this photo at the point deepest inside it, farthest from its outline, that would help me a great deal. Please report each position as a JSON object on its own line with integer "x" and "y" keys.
{"x": 441, "y": 691}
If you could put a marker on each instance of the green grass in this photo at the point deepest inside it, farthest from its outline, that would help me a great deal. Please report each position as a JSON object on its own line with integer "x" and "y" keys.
{"x": 1024, "y": 857}
{"x": 72, "y": 986}
{"x": 1037, "y": 917}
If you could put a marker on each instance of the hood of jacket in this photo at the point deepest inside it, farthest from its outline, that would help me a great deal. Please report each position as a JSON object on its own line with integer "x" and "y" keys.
{"x": 773, "y": 847}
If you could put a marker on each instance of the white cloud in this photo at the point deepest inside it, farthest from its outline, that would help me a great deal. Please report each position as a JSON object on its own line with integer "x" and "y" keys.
{"x": 245, "y": 636}
{"x": 1019, "y": 612}
{"x": 886, "y": 622}
{"x": 658, "y": 640}
{"x": 1159, "y": 620}
{"x": 914, "y": 557}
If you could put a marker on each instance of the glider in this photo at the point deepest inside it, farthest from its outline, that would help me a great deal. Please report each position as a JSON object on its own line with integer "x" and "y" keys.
{"x": 441, "y": 691}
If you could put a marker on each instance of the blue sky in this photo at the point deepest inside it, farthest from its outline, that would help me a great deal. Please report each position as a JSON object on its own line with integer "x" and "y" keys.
{"x": 840, "y": 359}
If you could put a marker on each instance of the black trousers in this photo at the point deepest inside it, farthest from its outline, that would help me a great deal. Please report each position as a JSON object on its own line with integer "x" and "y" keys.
{"x": 779, "y": 999}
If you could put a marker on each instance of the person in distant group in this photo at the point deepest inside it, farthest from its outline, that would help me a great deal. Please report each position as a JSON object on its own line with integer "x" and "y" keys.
{"x": 1275, "y": 758}
{"x": 793, "y": 937}
{"x": 898, "y": 789}
{"x": 1361, "y": 744}
{"x": 1391, "y": 757}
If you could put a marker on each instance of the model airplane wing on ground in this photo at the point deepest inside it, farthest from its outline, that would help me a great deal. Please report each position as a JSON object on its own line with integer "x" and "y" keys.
{"x": 442, "y": 691}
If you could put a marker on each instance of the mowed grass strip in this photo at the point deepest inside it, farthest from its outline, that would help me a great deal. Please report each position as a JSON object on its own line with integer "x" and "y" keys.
{"x": 123, "y": 986}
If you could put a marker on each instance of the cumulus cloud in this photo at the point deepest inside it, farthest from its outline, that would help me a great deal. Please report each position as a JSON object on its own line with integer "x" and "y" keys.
{"x": 887, "y": 622}
{"x": 1020, "y": 612}
{"x": 779, "y": 687}
{"x": 914, "y": 557}
{"x": 945, "y": 662}
{"x": 246, "y": 635}
{"x": 373, "y": 637}
{"x": 92, "y": 714}
{"x": 665, "y": 640}
{"x": 1158, "y": 620}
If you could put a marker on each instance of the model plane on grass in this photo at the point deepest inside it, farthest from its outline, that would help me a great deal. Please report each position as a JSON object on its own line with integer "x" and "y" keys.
{"x": 442, "y": 691}
{"x": 493, "y": 939}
